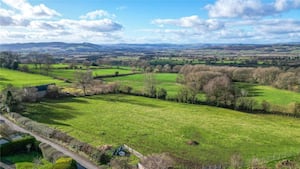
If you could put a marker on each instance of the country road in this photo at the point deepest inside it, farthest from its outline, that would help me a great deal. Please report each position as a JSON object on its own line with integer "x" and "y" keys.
{"x": 81, "y": 160}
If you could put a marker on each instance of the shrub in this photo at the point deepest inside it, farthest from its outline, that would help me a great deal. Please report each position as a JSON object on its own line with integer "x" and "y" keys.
{"x": 161, "y": 93}
{"x": 52, "y": 91}
{"x": 257, "y": 164}
{"x": 16, "y": 146}
{"x": 65, "y": 163}
{"x": 58, "y": 135}
{"x": 30, "y": 94}
{"x": 120, "y": 163}
{"x": 266, "y": 106}
{"x": 245, "y": 103}
{"x": 286, "y": 164}
{"x": 236, "y": 161}
{"x": 50, "y": 153}
{"x": 158, "y": 161}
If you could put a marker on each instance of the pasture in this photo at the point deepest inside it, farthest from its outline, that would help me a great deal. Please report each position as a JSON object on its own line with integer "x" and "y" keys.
{"x": 168, "y": 81}
{"x": 273, "y": 95}
{"x": 70, "y": 73}
{"x": 155, "y": 126}
{"x": 137, "y": 82}
{"x": 20, "y": 79}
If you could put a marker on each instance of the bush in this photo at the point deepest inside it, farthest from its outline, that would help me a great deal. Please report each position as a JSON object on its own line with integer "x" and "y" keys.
{"x": 50, "y": 153}
{"x": 257, "y": 164}
{"x": 120, "y": 163}
{"x": 245, "y": 103}
{"x": 236, "y": 161}
{"x": 52, "y": 92}
{"x": 162, "y": 93}
{"x": 16, "y": 146}
{"x": 158, "y": 161}
{"x": 266, "y": 106}
{"x": 65, "y": 163}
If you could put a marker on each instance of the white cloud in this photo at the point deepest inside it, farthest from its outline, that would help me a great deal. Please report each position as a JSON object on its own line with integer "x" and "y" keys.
{"x": 120, "y": 8}
{"x": 97, "y": 14}
{"x": 194, "y": 29}
{"x": 281, "y": 5}
{"x": 191, "y": 22}
{"x": 29, "y": 11}
{"x": 249, "y": 8}
{"x": 9, "y": 18}
{"x": 23, "y": 22}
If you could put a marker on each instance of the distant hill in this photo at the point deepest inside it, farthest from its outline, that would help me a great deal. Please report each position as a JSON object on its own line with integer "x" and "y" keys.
{"x": 77, "y": 48}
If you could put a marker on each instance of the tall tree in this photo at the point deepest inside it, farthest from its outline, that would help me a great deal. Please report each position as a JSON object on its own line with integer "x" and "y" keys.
{"x": 35, "y": 59}
{"x": 48, "y": 60}
{"x": 9, "y": 60}
{"x": 219, "y": 90}
{"x": 84, "y": 80}
{"x": 11, "y": 98}
{"x": 149, "y": 84}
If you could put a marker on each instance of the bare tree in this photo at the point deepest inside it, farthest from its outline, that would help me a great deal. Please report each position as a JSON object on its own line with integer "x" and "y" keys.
{"x": 149, "y": 84}
{"x": 219, "y": 90}
{"x": 47, "y": 61}
{"x": 84, "y": 79}
{"x": 35, "y": 59}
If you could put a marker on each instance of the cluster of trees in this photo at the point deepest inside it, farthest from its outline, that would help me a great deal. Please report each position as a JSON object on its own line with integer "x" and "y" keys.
{"x": 41, "y": 61}
{"x": 9, "y": 60}
{"x": 150, "y": 88}
{"x": 11, "y": 98}
{"x": 284, "y": 79}
{"x": 90, "y": 86}
{"x": 217, "y": 84}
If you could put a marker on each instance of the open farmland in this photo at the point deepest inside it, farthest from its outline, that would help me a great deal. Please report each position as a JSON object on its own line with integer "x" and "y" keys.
{"x": 168, "y": 81}
{"x": 273, "y": 95}
{"x": 154, "y": 126}
{"x": 20, "y": 79}
{"x": 137, "y": 82}
{"x": 70, "y": 73}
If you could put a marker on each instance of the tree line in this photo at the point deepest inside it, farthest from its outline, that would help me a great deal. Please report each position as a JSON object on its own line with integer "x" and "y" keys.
{"x": 217, "y": 84}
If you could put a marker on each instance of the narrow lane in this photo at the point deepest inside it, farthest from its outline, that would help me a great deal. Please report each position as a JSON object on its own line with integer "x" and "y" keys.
{"x": 81, "y": 160}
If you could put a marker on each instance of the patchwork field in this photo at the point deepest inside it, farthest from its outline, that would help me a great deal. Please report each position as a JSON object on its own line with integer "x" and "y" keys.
{"x": 154, "y": 126}
{"x": 21, "y": 79}
{"x": 163, "y": 80}
{"x": 273, "y": 95}
{"x": 70, "y": 73}
{"x": 168, "y": 81}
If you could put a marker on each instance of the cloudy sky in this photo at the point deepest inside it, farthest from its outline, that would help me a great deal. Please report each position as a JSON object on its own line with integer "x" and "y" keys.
{"x": 150, "y": 21}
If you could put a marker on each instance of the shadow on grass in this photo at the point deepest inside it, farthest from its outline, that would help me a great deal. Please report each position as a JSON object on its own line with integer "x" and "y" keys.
{"x": 52, "y": 112}
{"x": 250, "y": 88}
{"x": 4, "y": 79}
{"x": 127, "y": 99}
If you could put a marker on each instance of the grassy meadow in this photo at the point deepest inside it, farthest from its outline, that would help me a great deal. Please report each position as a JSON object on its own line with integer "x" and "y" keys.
{"x": 273, "y": 95}
{"x": 155, "y": 126}
{"x": 69, "y": 74}
{"x": 168, "y": 81}
{"x": 20, "y": 79}
{"x": 163, "y": 80}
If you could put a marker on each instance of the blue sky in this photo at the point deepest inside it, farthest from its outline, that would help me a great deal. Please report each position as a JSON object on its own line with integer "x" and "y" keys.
{"x": 150, "y": 21}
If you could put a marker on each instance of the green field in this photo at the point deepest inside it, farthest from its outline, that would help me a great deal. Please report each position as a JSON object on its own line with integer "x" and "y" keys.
{"x": 70, "y": 73}
{"x": 163, "y": 80}
{"x": 155, "y": 126}
{"x": 20, "y": 79}
{"x": 168, "y": 81}
{"x": 273, "y": 95}
{"x": 26, "y": 160}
